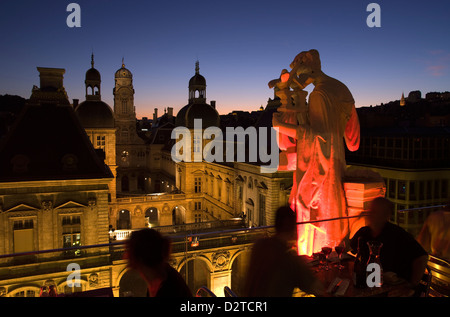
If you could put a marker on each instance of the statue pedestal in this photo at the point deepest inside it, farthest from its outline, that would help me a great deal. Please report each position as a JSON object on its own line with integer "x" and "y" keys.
{"x": 359, "y": 193}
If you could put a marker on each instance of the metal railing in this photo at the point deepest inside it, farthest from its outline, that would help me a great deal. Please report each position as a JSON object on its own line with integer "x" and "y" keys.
{"x": 204, "y": 292}
{"x": 122, "y": 234}
{"x": 228, "y": 292}
{"x": 187, "y": 241}
{"x": 182, "y": 242}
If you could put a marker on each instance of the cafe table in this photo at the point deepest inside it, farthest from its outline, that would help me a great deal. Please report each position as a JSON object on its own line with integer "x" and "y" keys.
{"x": 331, "y": 277}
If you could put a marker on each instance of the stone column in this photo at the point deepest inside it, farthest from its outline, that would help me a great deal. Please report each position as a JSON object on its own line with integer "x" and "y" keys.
{"x": 218, "y": 281}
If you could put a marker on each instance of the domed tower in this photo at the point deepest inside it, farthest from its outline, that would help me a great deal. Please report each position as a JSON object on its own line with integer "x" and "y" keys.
{"x": 97, "y": 119}
{"x": 92, "y": 82}
{"x": 124, "y": 95}
{"x": 197, "y": 87}
{"x": 130, "y": 148}
{"x": 197, "y": 108}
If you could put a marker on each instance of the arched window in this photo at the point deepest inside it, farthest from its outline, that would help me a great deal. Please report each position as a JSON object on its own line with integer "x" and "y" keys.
{"x": 123, "y": 220}
{"x": 151, "y": 217}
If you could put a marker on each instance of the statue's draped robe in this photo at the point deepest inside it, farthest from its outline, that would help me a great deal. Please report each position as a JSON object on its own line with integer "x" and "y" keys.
{"x": 319, "y": 193}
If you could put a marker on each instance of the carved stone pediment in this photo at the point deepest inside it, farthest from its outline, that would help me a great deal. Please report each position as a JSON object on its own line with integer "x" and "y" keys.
{"x": 70, "y": 204}
{"x": 21, "y": 207}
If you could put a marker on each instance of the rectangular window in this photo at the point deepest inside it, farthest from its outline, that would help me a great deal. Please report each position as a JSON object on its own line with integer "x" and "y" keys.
{"x": 198, "y": 205}
{"x": 262, "y": 209}
{"x": 392, "y": 188}
{"x": 23, "y": 235}
{"x": 421, "y": 190}
{"x": 412, "y": 190}
{"x": 401, "y": 189}
{"x": 198, "y": 218}
{"x": 71, "y": 233}
{"x": 100, "y": 141}
{"x": 198, "y": 184}
{"x": 124, "y": 106}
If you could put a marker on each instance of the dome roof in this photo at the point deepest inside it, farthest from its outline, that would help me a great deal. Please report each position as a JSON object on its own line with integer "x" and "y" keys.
{"x": 187, "y": 114}
{"x": 180, "y": 120}
{"x": 197, "y": 80}
{"x": 123, "y": 72}
{"x": 93, "y": 75}
{"x": 95, "y": 114}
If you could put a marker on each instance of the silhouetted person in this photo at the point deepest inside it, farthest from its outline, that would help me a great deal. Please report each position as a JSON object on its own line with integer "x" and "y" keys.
{"x": 52, "y": 291}
{"x": 435, "y": 233}
{"x": 275, "y": 269}
{"x": 400, "y": 252}
{"x": 148, "y": 252}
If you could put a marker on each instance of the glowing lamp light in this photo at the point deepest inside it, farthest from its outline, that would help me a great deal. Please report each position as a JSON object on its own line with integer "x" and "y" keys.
{"x": 195, "y": 242}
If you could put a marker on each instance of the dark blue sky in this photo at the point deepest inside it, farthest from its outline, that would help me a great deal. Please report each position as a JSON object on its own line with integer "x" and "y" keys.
{"x": 241, "y": 45}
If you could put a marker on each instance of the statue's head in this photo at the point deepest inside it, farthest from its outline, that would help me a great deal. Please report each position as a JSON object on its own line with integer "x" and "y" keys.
{"x": 306, "y": 65}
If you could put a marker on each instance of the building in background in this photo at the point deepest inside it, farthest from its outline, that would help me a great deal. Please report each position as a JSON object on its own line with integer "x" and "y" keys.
{"x": 409, "y": 146}
{"x": 53, "y": 195}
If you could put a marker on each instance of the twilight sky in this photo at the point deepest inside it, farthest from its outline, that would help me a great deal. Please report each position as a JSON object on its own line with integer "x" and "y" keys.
{"x": 241, "y": 45}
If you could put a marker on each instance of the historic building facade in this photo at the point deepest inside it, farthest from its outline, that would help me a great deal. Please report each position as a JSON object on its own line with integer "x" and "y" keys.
{"x": 53, "y": 195}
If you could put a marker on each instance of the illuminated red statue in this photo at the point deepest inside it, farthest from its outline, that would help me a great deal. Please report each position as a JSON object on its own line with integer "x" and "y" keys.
{"x": 311, "y": 137}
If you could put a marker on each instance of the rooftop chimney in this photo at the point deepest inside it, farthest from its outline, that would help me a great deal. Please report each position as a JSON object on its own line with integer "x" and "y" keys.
{"x": 51, "y": 90}
{"x": 213, "y": 104}
{"x": 51, "y": 77}
{"x": 170, "y": 112}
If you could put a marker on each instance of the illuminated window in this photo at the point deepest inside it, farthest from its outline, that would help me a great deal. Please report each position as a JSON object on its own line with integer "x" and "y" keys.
{"x": 71, "y": 229}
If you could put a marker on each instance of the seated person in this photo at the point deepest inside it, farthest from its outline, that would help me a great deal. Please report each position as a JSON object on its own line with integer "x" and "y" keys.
{"x": 400, "y": 253}
{"x": 435, "y": 233}
{"x": 275, "y": 269}
{"x": 148, "y": 252}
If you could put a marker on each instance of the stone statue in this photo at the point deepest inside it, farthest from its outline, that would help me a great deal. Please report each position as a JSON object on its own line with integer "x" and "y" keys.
{"x": 317, "y": 139}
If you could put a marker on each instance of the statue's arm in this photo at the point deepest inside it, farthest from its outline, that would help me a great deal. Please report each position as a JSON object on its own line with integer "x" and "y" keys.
{"x": 352, "y": 131}
{"x": 284, "y": 128}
